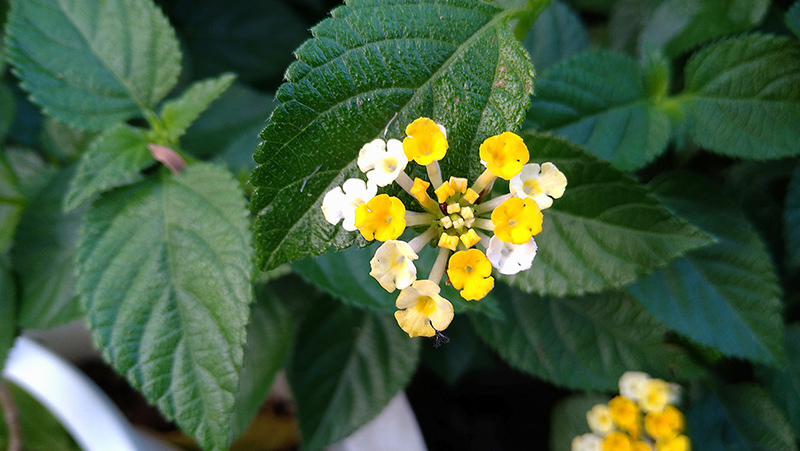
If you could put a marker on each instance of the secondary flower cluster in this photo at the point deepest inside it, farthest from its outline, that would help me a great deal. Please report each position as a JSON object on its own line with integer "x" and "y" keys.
{"x": 621, "y": 426}
{"x": 454, "y": 219}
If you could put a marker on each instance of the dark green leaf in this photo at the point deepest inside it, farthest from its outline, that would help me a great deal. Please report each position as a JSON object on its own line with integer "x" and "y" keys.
{"x": 64, "y": 142}
{"x": 8, "y": 310}
{"x": 465, "y": 353}
{"x": 742, "y": 97}
{"x": 678, "y": 25}
{"x": 582, "y": 343}
{"x": 177, "y": 115}
{"x": 627, "y": 19}
{"x": 596, "y": 6}
{"x": 783, "y": 384}
{"x": 557, "y": 34}
{"x": 739, "y": 417}
{"x": 793, "y": 18}
{"x": 253, "y": 38}
{"x": 8, "y": 109}
{"x": 115, "y": 158}
{"x": 31, "y": 172}
{"x": 238, "y": 111}
{"x": 12, "y": 202}
{"x": 568, "y": 419}
{"x": 598, "y": 99}
{"x": 725, "y": 295}
{"x": 605, "y": 232}
{"x": 792, "y": 222}
{"x": 86, "y": 66}
{"x": 44, "y": 257}
{"x": 41, "y": 431}
{"x": 346, "y": 366}
{"x": 455, "y": 61}
{"x": 269, "y": 339}
{"x": 164, "y": 273}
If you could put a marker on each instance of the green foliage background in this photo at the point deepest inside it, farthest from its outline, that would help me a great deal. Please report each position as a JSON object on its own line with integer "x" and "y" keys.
{"x": 675, "y": 250}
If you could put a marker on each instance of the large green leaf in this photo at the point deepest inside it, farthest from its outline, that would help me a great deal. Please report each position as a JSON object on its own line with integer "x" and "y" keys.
{"x": 739, "y": 417}
{"x": 792, "y": 222}
{"x": 115, "y": 158}
{"x": 568, "y": 419}
{"x": 164, "y": 273}
{"x": 793, "y": 18}
{"x": 725, "y": 295}
{"x": 269, "y": 339}
{"x": 627, "y": 19}
{"x": 742, "y": 97}
{"x": 678, "y": 25}
{"x": 347, "y": 364}
{"x": 8, "y": 109}
{"x": 44, "y": 257}
{"x": 178, "y": 114}
{"x": 64, "y": 142}
{"x": 557, "y": 34}
{"x": 455, "y": 61}
{"x": 581, "y": 343}
{"x": 85, "y": 65}
{"x": 8, "y": 310}
{"x": 12, "y": 202}
{"x": 783, "y": 384}
{"x": 605, "y": 232}
{"x": 599, "y": 100}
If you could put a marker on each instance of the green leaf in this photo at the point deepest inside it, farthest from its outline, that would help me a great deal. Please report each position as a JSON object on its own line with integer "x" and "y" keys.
{"x": 238, "y": 111}
{"x": 725, "y": 295}
{"x": 598, "y": 99}
{"x": 87, "y": 67}
{"x": 347, "y": 364}
{"x": 12, "y": 202}
{"x": 739, "y": 417}
{"x": 177, "y": 115}
{"x": 783, "y": 384}
{"x": 44, "y": 257}
{"x": 164, "y": 274}
{"x": 792, "y": 222}
{"x": 792, "y": 18}
{"x": 557, "y": 34}
{"x": 742, "y": 97}
{"x": 568, "y": 419}
{"x": 455, "y": 61}
{"x": 8, "y": 109}
{"x": 115, "y": 158}
{"x": 581, "y": 343}
{"x": 64, "y": 142}
{"x": 269, "y": 339}
{"x": 605, "y": 232}
{"x": 627, "y": 19}
{"x": 41, "y": 431}
{"x": 678, "y": 25}
{"x": 464, "y": 354}
{"x": 8, "y": 310}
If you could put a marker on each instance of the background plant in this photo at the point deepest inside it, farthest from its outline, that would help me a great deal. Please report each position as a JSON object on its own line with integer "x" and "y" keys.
{"x": 674, "y": 250}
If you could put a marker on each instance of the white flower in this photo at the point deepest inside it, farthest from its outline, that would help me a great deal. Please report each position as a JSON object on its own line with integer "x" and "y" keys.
{"x": 632, "y": 384}
{"x": 542, "y": 184}
{"x": 587, "y": 442}
{"x": 340, "y": 204}
{"x": 511, "y": 258}
{"x": 599, "y": 419}
{"x": 381, "y": 161}
{"x": 393, "y": 265}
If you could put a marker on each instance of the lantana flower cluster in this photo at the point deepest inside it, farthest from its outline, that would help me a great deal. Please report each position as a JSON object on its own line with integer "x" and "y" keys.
{"x": 642, "y": 418}
{"x": 472, "y": 233}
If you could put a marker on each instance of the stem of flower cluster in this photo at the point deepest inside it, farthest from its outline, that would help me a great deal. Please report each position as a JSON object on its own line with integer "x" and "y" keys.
{"x": 414, "y": 218}
{"x": 485, "y": 224}
{"x": 404, "y": 181}
{"x": 418, "y": 242}
{"x": 434, "y": 174}
{"x": 492, "y": 204}
{"x": 483, "y": 181}
{"x": 439, "y": 265}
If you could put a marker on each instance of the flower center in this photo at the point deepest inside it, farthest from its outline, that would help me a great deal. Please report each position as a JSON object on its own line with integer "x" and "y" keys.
{"x": 512, "y": 222}
{"x": 388, "y": 220}
{"x": 390, "y": 164}
{"x": 425, "y": 305}
{"x": 468, "y": 269}
{"x": 530, "y": 187}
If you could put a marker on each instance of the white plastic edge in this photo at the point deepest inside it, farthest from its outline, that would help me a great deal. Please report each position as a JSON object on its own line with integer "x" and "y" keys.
{"x": 86, "y": 412}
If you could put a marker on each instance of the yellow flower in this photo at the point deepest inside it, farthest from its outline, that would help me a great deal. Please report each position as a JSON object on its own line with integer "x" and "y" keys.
{"x": 517, "y": 220}
{"x": 381, "y": 218}
{"x": 616, "y": 441}
{"x": 426, "y": 141}
{"x": 654, "y": 395}
{"x": 599, "y": 419}
{"x": 625, "y": 413}
{"x": 504, "y": 154}
{"x": 664, "y": 425}
{"x": 631, "y": 383}
{"x": 540, "y": 183}
{"x": 423, "y": 312}
{"x": 393, "y": 265}
{"x": 641, "y": 446}
{"x": 679, "y": 443}
{"x": 471, "y": 272}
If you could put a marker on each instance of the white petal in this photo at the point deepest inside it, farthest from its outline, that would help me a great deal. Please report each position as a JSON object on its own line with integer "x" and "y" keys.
{"x": 332, "y": 205}
{"x": 511, "y": 258}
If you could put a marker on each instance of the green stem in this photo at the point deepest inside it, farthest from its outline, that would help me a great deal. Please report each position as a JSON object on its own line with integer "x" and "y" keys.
{"x": 528, "y": 16}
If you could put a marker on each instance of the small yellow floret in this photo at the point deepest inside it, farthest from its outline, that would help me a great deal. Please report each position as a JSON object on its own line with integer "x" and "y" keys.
{"x": 471, "y": 272}
{"x": 616, "y": 441}
{"x": 453, "y": 208}
{"x": 679, "y": 443}
{"x": 655, "y": 396}
{"x": 381, "y": 218}
{"x": 625, "y": 413}
{"x": 448, "y": 241}
{"x": 459, "y": 184}
{"x": 470, "y": 238}
{"x": 471, "y": 196}
{"x": 641, "y": 446}
{"x": 425, "y": 143}
{"x": 420, "y": 189}
{"x": 443, "y": 192}
{"x": 467, "y": 213}
{"x": 599, "y": 419}
{"x": 517, "y": 220}
{"x": 423, "y": 310}
{"x": 664, "y": 425}
{"x": 504, "y": 154}
{"x": 446, "y": 222}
